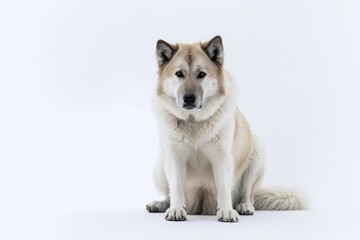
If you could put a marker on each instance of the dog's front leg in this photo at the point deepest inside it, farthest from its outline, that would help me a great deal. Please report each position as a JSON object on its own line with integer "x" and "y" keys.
{"x": 175, "y": 170}
{"x": 223, "y": 172}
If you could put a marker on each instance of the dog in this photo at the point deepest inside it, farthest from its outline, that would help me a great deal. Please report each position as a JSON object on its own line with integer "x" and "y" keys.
{"x": 209, "y": 163}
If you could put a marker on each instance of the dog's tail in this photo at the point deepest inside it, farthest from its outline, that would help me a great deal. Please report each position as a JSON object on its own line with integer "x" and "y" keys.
{"x": 277, "y": 200}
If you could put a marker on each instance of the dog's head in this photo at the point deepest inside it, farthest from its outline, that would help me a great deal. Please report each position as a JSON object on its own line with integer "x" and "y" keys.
{"x": 191, "y": 73}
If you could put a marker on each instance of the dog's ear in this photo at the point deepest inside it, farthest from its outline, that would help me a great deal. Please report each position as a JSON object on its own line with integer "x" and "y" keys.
{"x": 214, "y": 49}
{"x": 164, "y": 51}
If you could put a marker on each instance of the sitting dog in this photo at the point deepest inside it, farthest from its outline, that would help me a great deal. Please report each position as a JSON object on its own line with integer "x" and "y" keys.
{"x": 209, "y": 161}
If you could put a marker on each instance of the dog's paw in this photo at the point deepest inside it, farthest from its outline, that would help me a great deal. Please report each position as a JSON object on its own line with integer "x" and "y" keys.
{"x": 245, "y": 209}
{"x": 175, "y": 214}
{"x": 227, "y": 215}
{"x": 158, "y": 206}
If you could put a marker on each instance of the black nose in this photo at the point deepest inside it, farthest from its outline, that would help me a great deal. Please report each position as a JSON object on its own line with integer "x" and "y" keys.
{"x": 189, "y": 99}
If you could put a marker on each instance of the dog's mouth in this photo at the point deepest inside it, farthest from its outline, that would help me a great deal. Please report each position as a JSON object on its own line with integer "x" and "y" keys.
{"x": 191, "y": 107}
{"x": 188, "y": 107}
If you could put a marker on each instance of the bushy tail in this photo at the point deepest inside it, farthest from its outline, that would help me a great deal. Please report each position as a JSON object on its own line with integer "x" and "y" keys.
{"x": 277, "y": 200}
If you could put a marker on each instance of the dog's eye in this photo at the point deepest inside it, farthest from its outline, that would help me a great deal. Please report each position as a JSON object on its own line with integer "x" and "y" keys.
{"x": 179, "y": 74}
{"x": 201, "y": 75}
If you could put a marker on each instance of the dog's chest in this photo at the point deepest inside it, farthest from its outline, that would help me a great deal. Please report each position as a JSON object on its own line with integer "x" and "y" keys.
{"x": 194, "y": 132}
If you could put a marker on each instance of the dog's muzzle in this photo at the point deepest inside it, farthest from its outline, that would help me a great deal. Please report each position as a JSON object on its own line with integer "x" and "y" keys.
{"x": 190, "y": 102}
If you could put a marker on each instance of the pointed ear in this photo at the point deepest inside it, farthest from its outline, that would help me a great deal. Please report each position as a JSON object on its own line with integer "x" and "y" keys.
{"x": 215, "y": 50}
{"x": 164, "y": 51}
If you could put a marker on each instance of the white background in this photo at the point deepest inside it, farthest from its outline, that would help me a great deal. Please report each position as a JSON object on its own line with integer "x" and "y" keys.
{"x": 78, "y": 138}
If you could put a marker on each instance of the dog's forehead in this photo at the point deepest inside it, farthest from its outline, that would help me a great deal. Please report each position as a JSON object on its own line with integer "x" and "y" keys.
{"x": 191, "y": 54}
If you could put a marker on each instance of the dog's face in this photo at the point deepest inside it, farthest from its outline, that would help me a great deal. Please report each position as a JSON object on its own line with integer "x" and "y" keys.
{"x": 191, "y": 73}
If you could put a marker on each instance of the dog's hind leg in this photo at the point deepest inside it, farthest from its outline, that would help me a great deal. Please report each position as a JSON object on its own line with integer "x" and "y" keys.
{"x": 162, "y": 185}
{"x": 250, "y": 180}
{"x": 158, "y": 206}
